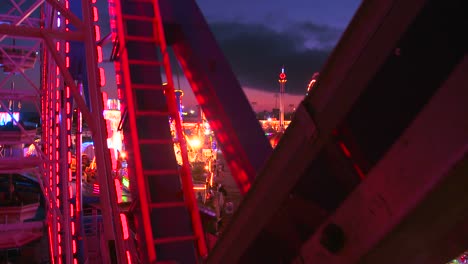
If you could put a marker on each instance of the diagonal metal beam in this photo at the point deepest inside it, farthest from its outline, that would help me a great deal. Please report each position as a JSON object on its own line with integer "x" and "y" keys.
{"x": 24, "y": 16}
{"x": 414, "y": 201}
{"x": 78, "y": 23}
{"x": 69, "y": 81}
{"x": 341, "y": 82}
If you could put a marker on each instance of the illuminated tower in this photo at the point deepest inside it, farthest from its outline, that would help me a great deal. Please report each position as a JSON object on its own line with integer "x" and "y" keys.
{"x": 179, "y": 94}
{"x": 282, "y": 81}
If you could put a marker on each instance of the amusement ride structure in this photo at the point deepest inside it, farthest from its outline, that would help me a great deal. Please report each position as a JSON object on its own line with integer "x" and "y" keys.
{"x": 375, "y": 149}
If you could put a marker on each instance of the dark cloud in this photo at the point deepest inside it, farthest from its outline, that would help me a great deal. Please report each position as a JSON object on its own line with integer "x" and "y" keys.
{"x": 257, "y": 52}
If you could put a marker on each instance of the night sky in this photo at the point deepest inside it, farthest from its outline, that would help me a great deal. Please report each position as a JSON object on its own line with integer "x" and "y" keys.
{"x": 259, "y": 36}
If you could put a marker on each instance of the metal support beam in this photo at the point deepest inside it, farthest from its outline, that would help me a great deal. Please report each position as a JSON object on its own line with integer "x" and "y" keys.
{"x": 407, "y": 208}
{"x": 29, "y": 32}
{"x": 364, "y": 45}
{"x": 113, "y": 231}
{"x": 69, "y": 81}
{"x": 25, "y": 15}
{"x": 64, "y": 11}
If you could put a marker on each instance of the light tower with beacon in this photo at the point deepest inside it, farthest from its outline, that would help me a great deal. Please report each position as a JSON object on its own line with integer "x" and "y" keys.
{"x": 282, "y": 81}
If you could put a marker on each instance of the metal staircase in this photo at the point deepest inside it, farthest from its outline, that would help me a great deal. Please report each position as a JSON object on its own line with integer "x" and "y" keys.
{"x": 167, "y": 216}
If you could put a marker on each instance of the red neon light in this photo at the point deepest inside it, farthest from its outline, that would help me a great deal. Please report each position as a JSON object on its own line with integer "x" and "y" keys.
{"x": 67, "y": 62}
{"x": 57, "y": 190}
{"x": 95, "y": 14}
{"x": 345, "y": 149}
{"x": 67, "y": 47}
{"x": 201, "y": 100}
{"x": 51, "y": 249}
{"x": 75, "y": 261}
{"x": 73, "y": 228}
{"x": 102, "y": 77}
{"x": 74, "y": 246}
{"x": 57, "y": 46}
{"x": 359, "y": 172}
{"x": 129, "y": 259}
{"x": 68, "y": 108}
{"x": 123, "y": 219}
{"x": 97, "y": 31}
{"x": 72, "y": 212}
{"x": 99, "y": 54}
{"x": 118, "y": 190}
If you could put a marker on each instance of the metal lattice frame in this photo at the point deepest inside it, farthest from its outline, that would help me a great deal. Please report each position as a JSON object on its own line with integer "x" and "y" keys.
{"x": 46, "y": 22}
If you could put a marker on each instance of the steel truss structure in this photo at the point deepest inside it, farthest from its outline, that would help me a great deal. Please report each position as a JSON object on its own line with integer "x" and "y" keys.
{"x": 331, "y": 177}
{"x": 52, "y": 26}
{"x": 56, "y": 27}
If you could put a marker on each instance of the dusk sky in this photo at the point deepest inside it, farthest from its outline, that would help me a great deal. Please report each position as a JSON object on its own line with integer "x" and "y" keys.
{"x": 259, "y": 36}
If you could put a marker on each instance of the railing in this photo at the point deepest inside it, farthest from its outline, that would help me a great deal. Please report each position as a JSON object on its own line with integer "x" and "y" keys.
{"x": 92, "y": 227}
{"x": 17, "y": 214}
